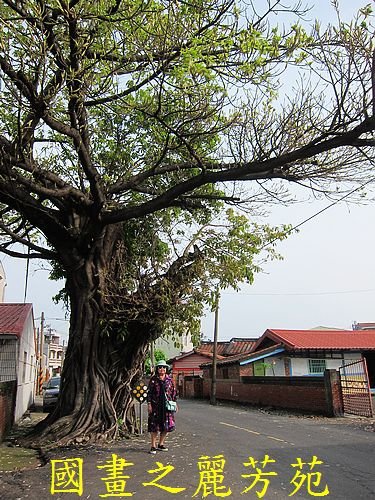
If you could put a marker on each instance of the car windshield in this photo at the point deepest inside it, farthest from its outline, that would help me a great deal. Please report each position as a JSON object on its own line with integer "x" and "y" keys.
{"x": 54, "y": 383}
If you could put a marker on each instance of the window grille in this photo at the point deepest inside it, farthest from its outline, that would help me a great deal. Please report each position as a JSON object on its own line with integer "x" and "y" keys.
{"x": 8, "y": 360}
{"x": 317, "y": 366}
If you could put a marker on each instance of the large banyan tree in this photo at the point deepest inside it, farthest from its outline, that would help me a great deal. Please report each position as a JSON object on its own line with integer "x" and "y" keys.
{"x": 127, "y": 129}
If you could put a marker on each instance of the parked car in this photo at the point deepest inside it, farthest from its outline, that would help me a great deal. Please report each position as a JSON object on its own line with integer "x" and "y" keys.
{"x": 51, "y": 393}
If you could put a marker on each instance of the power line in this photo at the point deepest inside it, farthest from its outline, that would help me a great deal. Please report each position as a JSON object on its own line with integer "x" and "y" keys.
{"x": 55, "y": 319}
{"x": 322, "y": 210}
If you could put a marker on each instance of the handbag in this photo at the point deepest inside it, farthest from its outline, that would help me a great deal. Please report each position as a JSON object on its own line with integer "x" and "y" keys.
{"x": 170, "y": 405}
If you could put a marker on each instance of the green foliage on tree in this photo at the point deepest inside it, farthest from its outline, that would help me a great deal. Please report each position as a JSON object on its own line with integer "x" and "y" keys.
{"x": 159, "y": 355}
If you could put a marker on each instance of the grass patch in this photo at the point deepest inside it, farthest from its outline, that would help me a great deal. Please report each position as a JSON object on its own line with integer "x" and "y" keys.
{"x": 14, "y": 458}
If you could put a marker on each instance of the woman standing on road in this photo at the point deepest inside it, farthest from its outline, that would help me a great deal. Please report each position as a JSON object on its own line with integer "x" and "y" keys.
{"x": 160, "y": 420}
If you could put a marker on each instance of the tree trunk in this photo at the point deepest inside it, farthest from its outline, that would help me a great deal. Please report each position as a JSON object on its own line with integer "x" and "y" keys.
{"x": 99, "y": 368}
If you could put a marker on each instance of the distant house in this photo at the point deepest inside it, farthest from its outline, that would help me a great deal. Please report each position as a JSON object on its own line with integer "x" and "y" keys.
{"x": 363, "y": 326}
{"x": 54, "y": 353}
{"x": 188, "y": 363}
{"x": 318, "y": 371}
{"x": 172, "y": 347}
{"x": 18, "y": 354}
{"x": 301, "y": 353}
{"x": 186, "y": 366}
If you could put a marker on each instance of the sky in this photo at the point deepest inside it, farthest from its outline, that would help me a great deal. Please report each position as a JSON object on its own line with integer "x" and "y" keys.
{"x": 327, "y": 277}
{"x": 39, "y": 291}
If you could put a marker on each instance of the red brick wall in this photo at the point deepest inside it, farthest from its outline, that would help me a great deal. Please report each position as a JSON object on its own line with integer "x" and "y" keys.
{"x": 231, "y": 370}
{"x": 307, "y": 394}
{"x": 7, "y": 404}
{"x": 247, "y": 370}
{"x": 334, "y": 393}
{"x": 337, "y": 403}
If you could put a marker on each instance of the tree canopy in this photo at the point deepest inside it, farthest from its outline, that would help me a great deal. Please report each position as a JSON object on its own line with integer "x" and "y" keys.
{"x": 116, "y": 110}
{"x": 126, "y": 131}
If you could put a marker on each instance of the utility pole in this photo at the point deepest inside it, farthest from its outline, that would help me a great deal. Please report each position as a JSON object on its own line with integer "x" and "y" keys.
{"x": 214, "y": 353}
{"x": 63, "y": 354}
{"x": 37, "y": 362}
{"x": 41, "y": 358}
{"x": 152, "y": 357}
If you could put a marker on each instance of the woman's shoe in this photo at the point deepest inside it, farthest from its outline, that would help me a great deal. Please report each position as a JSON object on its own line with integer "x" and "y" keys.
{"x": 161, "y": 447}
{"x": 153, "y": 450}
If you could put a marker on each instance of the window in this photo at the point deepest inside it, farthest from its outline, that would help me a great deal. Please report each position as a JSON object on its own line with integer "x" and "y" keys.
{"x": 8, "y": 354}
{"x": 24, "y": 367}
{"x": 225, "y": 373}
{"x": 31, "y": 368}
{"x": 317, "y": 366}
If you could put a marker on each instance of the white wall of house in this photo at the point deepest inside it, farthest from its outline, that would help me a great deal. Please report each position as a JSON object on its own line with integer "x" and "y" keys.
{"x": 26, "y": 371}
{"x": 274, "y": 366}
{"x": 352, "y": 356}
{"x": 55, "y": 353}
{"x": 167, "y": 345}
{"x": 300, "y": 366}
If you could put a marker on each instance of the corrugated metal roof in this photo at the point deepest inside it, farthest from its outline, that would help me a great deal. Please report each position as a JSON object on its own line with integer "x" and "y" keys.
{"x": 229, "y": 348}
{"x": 224, "y": 360}
{"x": 13, "y": 318}
{"x": 240, "y": 347}
{"x": 207, "y": 347}
{"x": 323, "y": 339}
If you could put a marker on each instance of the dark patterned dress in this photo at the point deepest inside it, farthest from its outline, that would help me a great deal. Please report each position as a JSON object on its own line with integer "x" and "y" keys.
{"x": 160, "y": 420}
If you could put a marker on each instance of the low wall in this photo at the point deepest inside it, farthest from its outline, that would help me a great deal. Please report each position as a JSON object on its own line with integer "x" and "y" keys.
{"x": 7, "y": 406}
{"x": 310, "y": 394}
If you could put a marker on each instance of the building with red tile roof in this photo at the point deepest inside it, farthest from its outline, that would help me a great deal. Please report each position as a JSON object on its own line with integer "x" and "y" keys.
{"x": 13, "y": 318}
{"x": 334, "y": 340}
{"x": 190, "y": 361}
{"x": 18, "y": 356}
{"x": 187, "y": 365}
{"x": 280, "y": 352}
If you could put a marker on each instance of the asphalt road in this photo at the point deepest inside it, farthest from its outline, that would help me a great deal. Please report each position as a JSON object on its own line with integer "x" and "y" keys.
{"x": 235, "y": 442}
{"x": 347, "y": 452}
